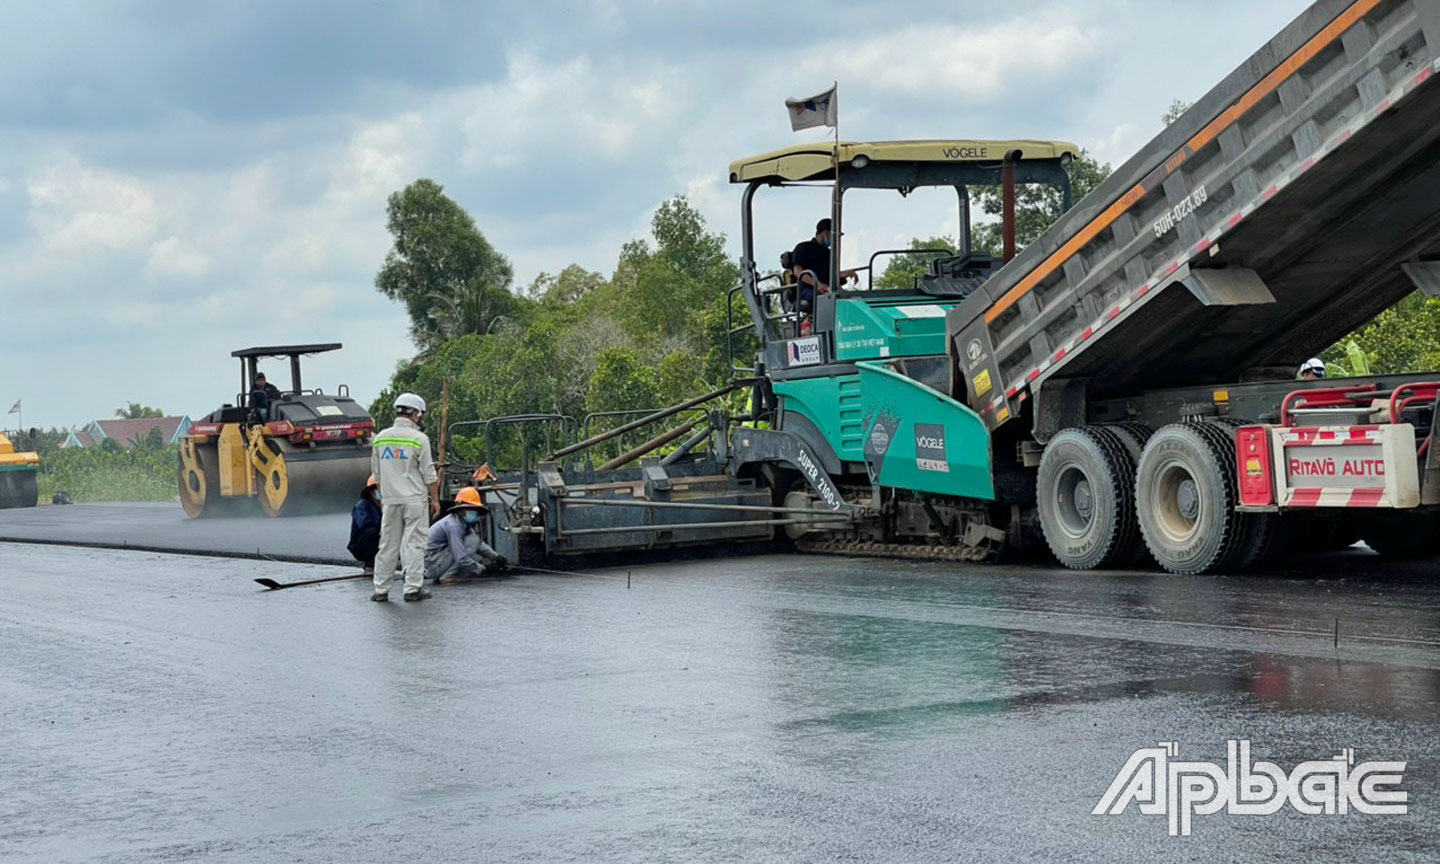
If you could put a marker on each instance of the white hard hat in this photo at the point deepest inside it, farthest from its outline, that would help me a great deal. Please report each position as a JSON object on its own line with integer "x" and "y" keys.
{"x": 1314, "y": 364}
{"x": 411, "y": 401}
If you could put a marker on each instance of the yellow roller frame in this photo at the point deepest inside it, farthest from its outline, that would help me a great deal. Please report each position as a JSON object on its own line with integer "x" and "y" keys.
{"x": 274, "y": 476}
{"x": 236, "y": 478}
{"x": 193, "y": 487}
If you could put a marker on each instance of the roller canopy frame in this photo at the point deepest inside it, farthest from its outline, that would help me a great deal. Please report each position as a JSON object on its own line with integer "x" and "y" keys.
{"x": 250, "y": 366}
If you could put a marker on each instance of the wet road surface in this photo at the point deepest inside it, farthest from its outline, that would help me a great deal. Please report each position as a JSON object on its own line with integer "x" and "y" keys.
{"x": 165, "y": 527}
{"x": 775, "y": 708}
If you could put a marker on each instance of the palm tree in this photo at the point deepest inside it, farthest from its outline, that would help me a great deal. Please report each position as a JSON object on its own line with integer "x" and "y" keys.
{"x": 472, "y": 309}
{"x": 136, "y": 411}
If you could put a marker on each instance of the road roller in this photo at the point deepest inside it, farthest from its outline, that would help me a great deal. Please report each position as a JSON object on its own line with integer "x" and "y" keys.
{"x": 289, "y": 452}
{"x": 18, "y": 475}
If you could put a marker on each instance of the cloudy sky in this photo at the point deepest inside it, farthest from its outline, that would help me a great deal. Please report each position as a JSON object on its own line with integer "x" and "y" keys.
{"x": 181, "y": 179}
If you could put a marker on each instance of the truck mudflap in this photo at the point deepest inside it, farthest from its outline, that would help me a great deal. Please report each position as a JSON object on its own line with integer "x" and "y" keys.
{"x": 919, "y": 439}
{"x": 1302, "y": 468}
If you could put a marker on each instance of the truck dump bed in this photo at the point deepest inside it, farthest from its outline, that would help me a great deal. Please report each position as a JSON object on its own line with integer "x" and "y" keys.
{"x": 1268, "y": 221}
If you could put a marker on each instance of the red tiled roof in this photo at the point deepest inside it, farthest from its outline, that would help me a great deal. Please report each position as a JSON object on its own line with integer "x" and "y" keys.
{"x": 127, "y": 432}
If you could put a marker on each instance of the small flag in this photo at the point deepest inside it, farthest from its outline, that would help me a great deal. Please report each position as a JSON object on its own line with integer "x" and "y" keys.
{"x": 818, "y": 110}
{"x": 15, "y": 409}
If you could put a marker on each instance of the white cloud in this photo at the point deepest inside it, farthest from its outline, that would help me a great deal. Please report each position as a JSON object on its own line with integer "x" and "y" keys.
{"x": 1121, "y": 144}
{"x": 75, "y": 207}
{"x": 560, "y": 141}
{"x": 941, "y": 61}
{"x": 376, "y": 161}
{"x": 575, "y": 102}
{"x": 169, "y": 258}
{"x": 342, "y": 227}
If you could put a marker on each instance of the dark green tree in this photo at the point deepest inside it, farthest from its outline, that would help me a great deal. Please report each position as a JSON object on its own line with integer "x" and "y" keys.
{"x": 1177, "y": 109}
{"x": 566, "y": 287}
{"x": 653, "y": 333}
{"x": 1403, "y": 338}
{"x": 1036, "y": 206}
{"x": 622, "y": 381}
{"x": 664, "y": 289}
{"x": 153, "y": 440}
{"x": 440, "y": 266}
{"x": 903, "y": 270}
{"x": 678, "y": 377}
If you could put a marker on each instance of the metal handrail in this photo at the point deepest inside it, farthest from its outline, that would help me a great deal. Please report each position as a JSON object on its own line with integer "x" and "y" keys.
{"x": 731, "y": 331}
{"x": 871, "y": 265}
{"x": 627, "y": 412}
{"x": 653, "y": 418}
{"x": 488, "y": 429}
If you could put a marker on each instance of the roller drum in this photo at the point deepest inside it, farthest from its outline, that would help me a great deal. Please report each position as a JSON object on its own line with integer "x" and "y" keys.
{"x": 199, "y": 485}
{"x": 19, "y": 488}
{"x": 320, "y": 480}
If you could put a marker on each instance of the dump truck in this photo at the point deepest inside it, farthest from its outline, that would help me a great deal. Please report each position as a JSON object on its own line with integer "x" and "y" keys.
{"x": 19, "y": 472}
{"x": 1160, "y": 321}
{"x": 306, "y": 452}
{"x": 1119, "y": 391}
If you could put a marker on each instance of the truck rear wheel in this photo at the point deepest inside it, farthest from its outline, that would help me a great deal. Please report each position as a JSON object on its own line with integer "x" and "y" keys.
{"x": 1260, "y": 532}
{"x": 1085, "y": 498}
{"x": 1185, "y": 496}
{"x": 1133, "y": 436}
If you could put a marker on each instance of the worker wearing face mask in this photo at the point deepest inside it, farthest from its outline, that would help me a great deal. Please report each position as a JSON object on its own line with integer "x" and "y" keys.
{"x": 810, "y": 262}
{"x": 454, "y": 543}
{"x": 365, "y": 519}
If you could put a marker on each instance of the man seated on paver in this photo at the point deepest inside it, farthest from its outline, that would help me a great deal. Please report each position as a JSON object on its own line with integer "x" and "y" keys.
{"x": 454, "y": 543}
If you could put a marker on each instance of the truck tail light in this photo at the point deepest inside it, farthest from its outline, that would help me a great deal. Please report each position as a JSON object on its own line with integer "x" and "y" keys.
{"x": 1255, "y": 466}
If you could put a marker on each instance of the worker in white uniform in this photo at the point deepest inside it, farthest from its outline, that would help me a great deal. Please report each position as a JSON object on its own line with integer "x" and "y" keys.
{"x": 402, "y": 462}
{"x": 1313, "y": 369}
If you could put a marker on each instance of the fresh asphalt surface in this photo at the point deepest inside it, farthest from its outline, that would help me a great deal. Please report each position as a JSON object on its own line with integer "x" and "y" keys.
{"x": 318, "y": 538}
{"x": 769, "y": 708}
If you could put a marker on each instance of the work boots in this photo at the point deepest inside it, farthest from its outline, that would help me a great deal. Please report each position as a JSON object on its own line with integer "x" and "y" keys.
{"x": 418, "y": 594}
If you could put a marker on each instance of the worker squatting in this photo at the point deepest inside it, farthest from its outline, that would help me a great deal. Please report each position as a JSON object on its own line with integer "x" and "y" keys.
{"x": 390, "y": 526}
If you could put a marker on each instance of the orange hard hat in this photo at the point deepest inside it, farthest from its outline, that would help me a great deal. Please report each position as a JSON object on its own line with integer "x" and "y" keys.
{"x": 371, "y": 482}
{"x": 469, "y": 497}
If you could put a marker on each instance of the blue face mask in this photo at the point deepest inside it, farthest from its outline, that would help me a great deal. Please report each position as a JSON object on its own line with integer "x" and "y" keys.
{"x": 828, "y": 241}
{"x": 471, "y": 517}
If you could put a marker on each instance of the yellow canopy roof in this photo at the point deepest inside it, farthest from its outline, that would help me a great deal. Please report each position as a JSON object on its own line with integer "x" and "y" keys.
{"x": 815, "y": 161}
